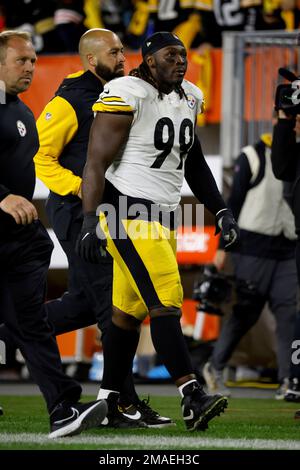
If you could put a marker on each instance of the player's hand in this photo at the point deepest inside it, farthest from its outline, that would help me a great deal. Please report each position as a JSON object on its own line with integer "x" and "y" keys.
{"x": 22, "y": 210}
{"x": 226, "y": 224}
{"x": 91, "y": 242}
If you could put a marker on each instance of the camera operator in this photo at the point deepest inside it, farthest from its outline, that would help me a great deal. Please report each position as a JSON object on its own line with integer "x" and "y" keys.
{"x": 264, "y": 262}
{"x": 286, "y": 164}
{"x": 286, "y": 167}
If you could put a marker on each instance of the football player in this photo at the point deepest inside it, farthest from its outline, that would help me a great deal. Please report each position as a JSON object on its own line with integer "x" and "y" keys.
{"x": 142, "y": 143}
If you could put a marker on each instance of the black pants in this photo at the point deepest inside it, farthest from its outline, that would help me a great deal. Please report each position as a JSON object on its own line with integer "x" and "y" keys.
{"x": 276, "y": 282}
{"x": 24, "y": 261}
{"x": 89, "y": 297}
{"x": 296, "y": 210}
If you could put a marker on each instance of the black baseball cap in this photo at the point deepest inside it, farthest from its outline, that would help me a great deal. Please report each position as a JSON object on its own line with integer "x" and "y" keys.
{"x": 159, "y": 40}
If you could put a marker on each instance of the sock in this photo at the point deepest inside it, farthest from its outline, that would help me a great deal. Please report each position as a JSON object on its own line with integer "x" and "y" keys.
{"x": 181, "y": 388}
{"x": 128, "y": 395}
{"x": 169, "y": 343}
{"x": 104, "y": 393}
{"x": 118, "y": 350}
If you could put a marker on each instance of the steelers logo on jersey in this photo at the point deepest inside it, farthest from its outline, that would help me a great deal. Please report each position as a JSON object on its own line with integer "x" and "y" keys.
{"x": 21, "y": 128}
{"x": 191, "y": 100}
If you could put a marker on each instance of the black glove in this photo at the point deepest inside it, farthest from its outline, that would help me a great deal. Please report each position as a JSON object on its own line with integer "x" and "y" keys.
{"x": 91, "y": 242}
{"x": 226, "y": 224}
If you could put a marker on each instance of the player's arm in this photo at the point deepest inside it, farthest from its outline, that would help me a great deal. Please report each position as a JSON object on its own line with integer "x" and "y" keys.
{"x": 240, "y": 185}
{"x": 200, "y": 179}
{"x": 56, "y": 126}
{"x": 203, "y": 185}
{"x": 239, "y": 189}
{"x": 108, "y": 136}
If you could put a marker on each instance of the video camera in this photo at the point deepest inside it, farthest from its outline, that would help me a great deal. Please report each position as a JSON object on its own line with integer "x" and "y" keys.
{"x": 287, "y": 95}
{"x": 212, "y": 290}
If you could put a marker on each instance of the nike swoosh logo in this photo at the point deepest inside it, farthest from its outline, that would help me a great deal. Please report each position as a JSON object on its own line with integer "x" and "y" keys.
{"x": 75, "y": 414}
{"x": 86, "y": 235}
{"x": 191, "y": 415}
{"x": 137, "y": 415}
{"x": 106, "y": 92}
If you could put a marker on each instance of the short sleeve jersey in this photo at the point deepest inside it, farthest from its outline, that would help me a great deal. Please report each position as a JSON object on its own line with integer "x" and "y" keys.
{"x": 162, "y": 132}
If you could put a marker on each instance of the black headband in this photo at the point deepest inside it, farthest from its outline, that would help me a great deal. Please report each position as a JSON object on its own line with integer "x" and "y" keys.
{"x": 158, "y": 41}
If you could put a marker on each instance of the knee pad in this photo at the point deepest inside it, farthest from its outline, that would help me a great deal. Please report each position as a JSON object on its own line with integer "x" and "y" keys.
{"x": 165, "y": 312}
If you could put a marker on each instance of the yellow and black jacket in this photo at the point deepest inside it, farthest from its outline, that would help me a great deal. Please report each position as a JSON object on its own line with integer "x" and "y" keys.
{"x": 63, "y": 128}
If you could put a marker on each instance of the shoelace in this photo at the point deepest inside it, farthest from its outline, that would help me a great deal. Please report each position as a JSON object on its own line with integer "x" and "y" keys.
{"x": 144, "y": 406}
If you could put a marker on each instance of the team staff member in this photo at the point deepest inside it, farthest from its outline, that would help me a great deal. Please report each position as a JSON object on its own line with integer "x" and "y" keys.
{"x": 150, "y": 119}
{"x": 63, "y": 129}
{"x": 264, "y": 262}
{"x": 286, "y": 166}
{"x": 25, "y": 248}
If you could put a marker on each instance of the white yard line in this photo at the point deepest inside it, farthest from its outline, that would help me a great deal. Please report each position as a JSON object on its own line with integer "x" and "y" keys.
{"x": 147, "y": 442}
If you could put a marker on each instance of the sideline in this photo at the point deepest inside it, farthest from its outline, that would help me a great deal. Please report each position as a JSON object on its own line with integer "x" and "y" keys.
{"x": 147, "y": 442}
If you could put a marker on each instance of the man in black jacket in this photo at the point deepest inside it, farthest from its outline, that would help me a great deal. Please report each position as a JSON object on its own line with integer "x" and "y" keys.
{"x": 63, "y": 128}
{"x": 25, "y": 248}
{"x": 286, "y": 167}
{"x": 264, "y": 263}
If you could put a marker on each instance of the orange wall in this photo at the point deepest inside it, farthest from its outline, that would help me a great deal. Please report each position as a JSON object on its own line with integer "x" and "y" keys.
{"x": 51, "y": 70}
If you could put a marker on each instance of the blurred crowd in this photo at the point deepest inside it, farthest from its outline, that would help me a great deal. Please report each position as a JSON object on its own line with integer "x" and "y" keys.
{"x": 56, "y": 25}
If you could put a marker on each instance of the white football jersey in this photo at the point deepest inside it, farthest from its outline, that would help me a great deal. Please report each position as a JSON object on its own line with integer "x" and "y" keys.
{"x": 162, "y": 132}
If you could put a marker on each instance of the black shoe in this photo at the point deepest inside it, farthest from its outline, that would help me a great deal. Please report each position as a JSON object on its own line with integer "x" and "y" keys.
{"x": 293, "y": 392}
{"x": 150, "y": 416}
{"x": 198, "y": 408}
{"x": 69, "y": 419}
{"x": 1, "y": 410}
{"x": 121, "y": 417}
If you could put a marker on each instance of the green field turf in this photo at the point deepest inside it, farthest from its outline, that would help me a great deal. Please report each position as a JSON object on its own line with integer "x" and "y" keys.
{"x": 246, "y": 424}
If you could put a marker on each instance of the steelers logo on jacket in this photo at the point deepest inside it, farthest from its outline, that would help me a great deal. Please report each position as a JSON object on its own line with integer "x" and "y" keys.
{"x": 21, "y": 128}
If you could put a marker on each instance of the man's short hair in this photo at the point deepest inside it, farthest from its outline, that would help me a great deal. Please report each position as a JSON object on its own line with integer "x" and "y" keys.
{"x": 6, "y": 36}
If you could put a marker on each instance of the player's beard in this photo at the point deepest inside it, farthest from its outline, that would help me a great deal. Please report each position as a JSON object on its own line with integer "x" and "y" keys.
{"x": 107, "y": 74}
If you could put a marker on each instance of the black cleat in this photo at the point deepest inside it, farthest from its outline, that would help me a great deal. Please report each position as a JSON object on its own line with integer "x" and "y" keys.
{"x": 121, "y": 417}
{"x": 151, "y": 417}
{"x": 198, "y": 408}
{"x": 1, "y": 410}
{"x": 293, "y": 392}
{"x": 69, "y": 419}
